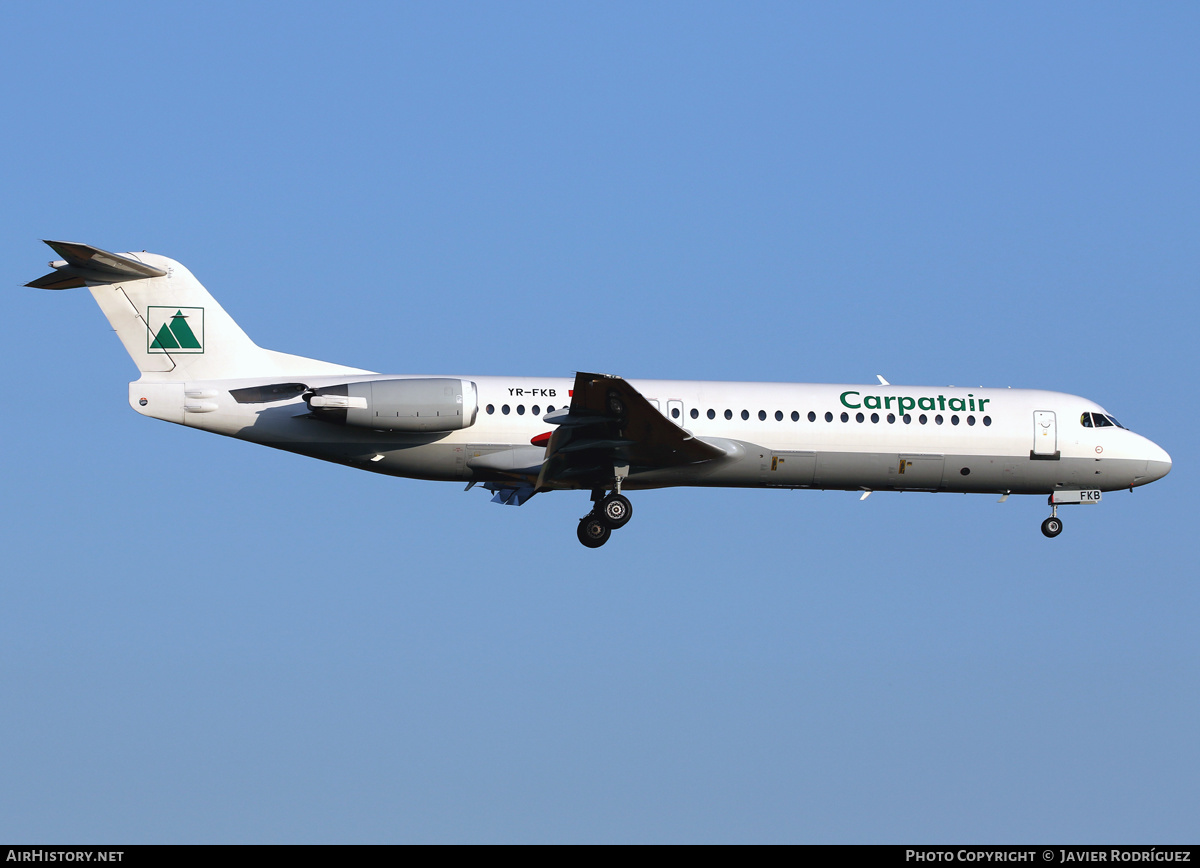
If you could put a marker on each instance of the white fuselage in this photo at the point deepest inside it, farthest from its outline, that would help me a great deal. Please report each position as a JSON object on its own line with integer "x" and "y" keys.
{"x": 869, "y": 437}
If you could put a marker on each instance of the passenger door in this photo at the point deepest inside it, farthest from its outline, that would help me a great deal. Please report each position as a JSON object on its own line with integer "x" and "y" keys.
{"x": 1045, "y": 434}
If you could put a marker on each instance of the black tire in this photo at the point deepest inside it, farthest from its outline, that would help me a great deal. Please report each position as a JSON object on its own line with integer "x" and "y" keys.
{"x": 593, "y": 531}
{"x": 617, "y": 510}
{"x": 1052, "y": 527}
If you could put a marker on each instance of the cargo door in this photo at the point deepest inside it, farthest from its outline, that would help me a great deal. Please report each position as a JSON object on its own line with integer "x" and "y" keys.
{"x": 788, "y": 469}
{"x": 919, "y": 472}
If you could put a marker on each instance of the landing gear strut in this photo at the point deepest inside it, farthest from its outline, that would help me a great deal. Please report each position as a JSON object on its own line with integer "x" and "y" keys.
{"x": 1052, "y": 526}
{"x": 608, "y": 514}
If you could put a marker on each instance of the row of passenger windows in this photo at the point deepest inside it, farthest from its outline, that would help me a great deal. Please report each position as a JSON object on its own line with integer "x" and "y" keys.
{"x": 907, "y": 418}
{"x": 845, "y": 417}
{"x": 535, "y": 409}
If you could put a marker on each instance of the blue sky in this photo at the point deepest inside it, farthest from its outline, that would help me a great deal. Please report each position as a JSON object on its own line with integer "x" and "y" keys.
{"x": 209, "y": 641}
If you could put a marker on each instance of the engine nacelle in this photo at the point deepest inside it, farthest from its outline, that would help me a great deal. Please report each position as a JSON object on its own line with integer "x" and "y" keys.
{"x": 421, "y": 404}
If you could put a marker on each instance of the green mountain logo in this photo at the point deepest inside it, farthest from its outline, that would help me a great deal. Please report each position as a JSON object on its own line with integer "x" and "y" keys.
{"x": 175, "y": 329}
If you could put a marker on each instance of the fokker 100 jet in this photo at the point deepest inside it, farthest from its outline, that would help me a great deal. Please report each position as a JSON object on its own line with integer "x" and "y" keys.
{"x": 518, "y": 436}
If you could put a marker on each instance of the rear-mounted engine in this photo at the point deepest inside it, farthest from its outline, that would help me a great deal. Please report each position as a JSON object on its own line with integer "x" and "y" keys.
{"x": 425, "y": 404}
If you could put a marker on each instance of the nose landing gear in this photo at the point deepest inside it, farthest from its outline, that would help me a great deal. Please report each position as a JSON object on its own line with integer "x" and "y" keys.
{"x": 608, "y": 514}
{"x": 1052, "y": 526}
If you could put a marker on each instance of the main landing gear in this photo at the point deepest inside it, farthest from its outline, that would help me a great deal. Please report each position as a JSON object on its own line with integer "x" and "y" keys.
{"x": 608, "y": 514}
{"x": 1052, "y": 526}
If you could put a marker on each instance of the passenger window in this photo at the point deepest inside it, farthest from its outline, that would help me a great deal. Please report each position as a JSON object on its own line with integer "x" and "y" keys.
{"x": 695, "y": 413}
{"x": 845, "y": 416}
{"x": 520, "y": 409}
{"x": 970, "y": 420}
{"x": 987, "y": 420}
{"x": 907, "y": 418}
{"x": 536, "y": 410}
{"x": 858, "y": 417}
{"x": 674, "y": 412}
{"x": 891, "y": 418}
{"x": 504, "y": 409}
{"x": 875, "y": 418}
{"x": 938, "y": 418}
{"x": 922, "y": 418}
{"x": 728, "y": 414}
{"x": 491, "y": 408}
{"x": 745, "y": 415}
{"x": 550, "y": 409}
{"x": 762, "y": 415}
{"x": 829, "y": 417}
{"x": 712, "y": 414}
{"x": 954, "y": 419}
{"x": 812, "y": 417}
{"x": 779, "y": 416}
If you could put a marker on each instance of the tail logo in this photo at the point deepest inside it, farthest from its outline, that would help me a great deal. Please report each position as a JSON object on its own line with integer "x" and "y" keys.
{"x": 175, "y": 330}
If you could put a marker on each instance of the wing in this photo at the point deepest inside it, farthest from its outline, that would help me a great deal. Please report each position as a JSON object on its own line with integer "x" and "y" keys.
{"x": 610, "y": 424}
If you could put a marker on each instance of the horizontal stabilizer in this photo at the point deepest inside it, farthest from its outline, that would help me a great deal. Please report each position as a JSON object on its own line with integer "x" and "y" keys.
{"x": 268, "y": 394}
{"x": 82, "y": 263}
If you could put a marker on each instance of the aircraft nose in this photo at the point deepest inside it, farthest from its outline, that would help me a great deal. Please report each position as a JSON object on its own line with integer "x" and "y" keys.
{"x": 1158, "y": 462}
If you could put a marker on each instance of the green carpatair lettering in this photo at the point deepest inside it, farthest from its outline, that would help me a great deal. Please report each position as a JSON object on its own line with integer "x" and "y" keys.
{"x": 855, "y": 400}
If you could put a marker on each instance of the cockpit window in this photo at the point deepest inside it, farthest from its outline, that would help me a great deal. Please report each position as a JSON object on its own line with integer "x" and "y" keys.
{"x": 1098, "y": 420}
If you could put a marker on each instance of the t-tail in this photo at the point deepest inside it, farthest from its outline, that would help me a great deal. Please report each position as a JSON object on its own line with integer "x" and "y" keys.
{"x": 171, "y": 327}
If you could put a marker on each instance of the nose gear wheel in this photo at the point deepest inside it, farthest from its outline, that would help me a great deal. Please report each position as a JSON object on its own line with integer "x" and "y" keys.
{"x": 1052, "y": 527}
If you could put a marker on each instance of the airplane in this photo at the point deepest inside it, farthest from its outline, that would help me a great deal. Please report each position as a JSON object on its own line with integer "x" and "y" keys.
{"x": 520, "y": 436}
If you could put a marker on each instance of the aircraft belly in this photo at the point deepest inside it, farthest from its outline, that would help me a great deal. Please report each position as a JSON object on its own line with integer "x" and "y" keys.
{"x": 418, "y": 455}
{"x": 852, "y": 470}
{"x": 436, "y": 461}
